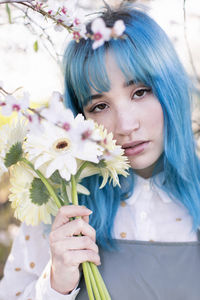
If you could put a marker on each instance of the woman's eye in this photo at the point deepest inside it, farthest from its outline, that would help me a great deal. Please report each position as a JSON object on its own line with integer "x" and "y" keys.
{"x": 99, "y": 107}
{"x": 140, "y": 93}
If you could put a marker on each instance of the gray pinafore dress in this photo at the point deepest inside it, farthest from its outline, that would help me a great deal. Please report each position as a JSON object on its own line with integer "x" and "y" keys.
{"x": 150, "y": 271}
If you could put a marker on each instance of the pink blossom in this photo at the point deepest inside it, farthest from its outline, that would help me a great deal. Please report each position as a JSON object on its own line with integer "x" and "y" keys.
{"x": 76, "y": 35}
{"x": 66, "y": 126}
{"x": 38, "y": 5}
{"x": 57, "y": 113}
{"x": 101, "y": 32}
{"x": 76, "y": 22}
{"x": 2, "y": 103}
{"x": 62, "y": 19}
{"x": 12, "y": 104}
{"x": 34, "y": 124}
{"x": 118, "y": 28}
{"x": 64, "y": 10}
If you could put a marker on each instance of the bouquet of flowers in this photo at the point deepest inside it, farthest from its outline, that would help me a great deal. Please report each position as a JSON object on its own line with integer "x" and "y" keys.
{"x": 48, "y": 152}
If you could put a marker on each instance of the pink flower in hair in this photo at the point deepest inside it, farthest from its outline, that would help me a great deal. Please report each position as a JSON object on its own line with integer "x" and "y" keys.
{"x": 101, "y": 33}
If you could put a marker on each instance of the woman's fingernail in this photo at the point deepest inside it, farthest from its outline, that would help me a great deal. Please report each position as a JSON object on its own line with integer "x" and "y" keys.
{"x": 90, "y": 211}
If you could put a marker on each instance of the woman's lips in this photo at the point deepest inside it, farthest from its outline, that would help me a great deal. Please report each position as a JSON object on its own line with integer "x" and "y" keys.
{"x": 137, "y": 149}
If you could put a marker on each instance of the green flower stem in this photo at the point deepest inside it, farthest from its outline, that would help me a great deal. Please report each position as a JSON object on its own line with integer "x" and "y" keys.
{"x": 45, "y": 181}
{"x": 93, "y": 279}
{"x": 85, "y": 265}
{"x": 100, "y": 281}
{"x": 64, "y": 192}
{"x": 74, "y": 191}
{"x": 87, "y": 280}
{"x": 94, "y": 285}
{"x": 81, "y": 169}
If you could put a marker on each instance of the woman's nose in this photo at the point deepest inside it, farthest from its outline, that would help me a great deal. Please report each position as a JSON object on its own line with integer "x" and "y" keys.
{"x": 126, "y": 123}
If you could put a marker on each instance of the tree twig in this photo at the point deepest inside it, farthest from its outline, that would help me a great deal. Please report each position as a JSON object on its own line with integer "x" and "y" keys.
{"x": 15, "y": 1}
{"x": 28, "y": 4}
{"x": 46, "y": 35}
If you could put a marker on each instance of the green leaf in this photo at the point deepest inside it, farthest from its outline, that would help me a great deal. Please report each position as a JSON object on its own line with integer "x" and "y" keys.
{"x": 56, "y": 178}
{"x": 9, "y": 13}
{"x": 14, "y": 155}
{"x": 38, "y": 192}
{"x": 35, "y": 46}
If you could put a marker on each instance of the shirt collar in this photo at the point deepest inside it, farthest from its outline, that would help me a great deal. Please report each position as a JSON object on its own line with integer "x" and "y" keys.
{"x": 147, "y": 185}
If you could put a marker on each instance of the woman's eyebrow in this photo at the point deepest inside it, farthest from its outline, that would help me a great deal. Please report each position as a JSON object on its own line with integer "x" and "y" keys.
{"x": 129, "y": 83}
{"x": 98, "y": 96}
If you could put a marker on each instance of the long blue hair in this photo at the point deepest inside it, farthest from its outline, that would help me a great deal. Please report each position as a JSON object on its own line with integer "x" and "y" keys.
{"x": 145, "y": 55}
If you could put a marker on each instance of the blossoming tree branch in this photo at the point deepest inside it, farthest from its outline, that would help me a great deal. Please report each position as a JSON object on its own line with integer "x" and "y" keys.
{"x": 69, "y": 18}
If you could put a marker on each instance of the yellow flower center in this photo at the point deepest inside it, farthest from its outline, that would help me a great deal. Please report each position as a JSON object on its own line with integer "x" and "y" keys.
{"x": 61, "y": 145}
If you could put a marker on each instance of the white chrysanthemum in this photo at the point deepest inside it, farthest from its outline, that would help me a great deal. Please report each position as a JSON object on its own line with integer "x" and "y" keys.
{"x": 10, "y": 134}
{"x": 3, "y": 168}
{"x": 113, "y": 162}
{"x": 25, "y": 210}
{"x": 106, "y": 138}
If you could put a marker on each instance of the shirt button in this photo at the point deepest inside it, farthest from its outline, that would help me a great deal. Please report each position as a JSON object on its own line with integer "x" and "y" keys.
{"x": 143, "y": 215}
{"x": 123, "y": 235}
{"x": 147, "y": 186}
{"x": 123, "y": 203}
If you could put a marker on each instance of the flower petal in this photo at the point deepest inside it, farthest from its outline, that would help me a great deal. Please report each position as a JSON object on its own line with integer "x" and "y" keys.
{"x": 97, "y": 24}
{"x": 82, "y": 189}
{"x": 119, "y": 27}
{"x": 42, "y": 160}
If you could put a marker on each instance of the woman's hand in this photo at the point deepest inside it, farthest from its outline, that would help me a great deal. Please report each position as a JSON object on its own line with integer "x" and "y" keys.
{"x": 68, "y": 250}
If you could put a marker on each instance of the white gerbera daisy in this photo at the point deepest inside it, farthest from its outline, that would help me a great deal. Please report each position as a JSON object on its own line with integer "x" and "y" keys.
{"x": 26, "y": 211}
{"x": 58, "y": 149}
{"x": 53, "y": 149}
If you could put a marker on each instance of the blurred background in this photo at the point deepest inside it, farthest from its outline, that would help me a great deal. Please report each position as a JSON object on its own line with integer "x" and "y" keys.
{"x": 31, "y": 57}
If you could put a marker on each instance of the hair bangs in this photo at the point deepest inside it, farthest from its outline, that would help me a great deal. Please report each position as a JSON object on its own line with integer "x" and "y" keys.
{"x": 96, "y": 72}
{"x": 85, "y": 71}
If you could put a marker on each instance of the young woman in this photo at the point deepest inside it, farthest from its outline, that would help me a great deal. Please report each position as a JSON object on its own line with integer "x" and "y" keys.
{"x": 147, "y": 231}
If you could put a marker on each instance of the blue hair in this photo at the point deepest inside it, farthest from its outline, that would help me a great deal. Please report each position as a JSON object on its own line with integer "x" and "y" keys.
{"x": 145, "y": 55}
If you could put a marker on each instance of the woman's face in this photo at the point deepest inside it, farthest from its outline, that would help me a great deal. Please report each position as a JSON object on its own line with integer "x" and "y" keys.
{"x": 134, "y": 116}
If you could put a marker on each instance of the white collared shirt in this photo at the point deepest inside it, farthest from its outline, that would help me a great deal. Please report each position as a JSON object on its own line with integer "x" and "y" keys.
{"x": 148, "y": 215}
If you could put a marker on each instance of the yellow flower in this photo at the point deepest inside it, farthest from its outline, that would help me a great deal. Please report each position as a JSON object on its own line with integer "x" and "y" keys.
{"x": 113, "y": 162}
{"x": 10, "y": 134}
{"x": 107, "y": 141}
{"x": 26, "y": 211}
